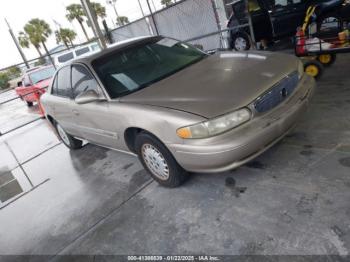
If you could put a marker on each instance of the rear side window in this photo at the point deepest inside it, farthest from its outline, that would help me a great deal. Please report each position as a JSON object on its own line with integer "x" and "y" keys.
{"x": 66, "y": 57}
{"x": 82, "y": 51}
{"x": 82, "y": 80}
{"x": 61, "y": 85}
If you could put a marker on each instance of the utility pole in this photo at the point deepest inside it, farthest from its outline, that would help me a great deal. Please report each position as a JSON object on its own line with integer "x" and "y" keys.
{"x": 143, "y": 14}
{"x": 92, "y": 18}
{"x": 152, "y": 15}
{"x": 146, "y": 19}
{"x": 17, "y": 44}
{"x": 112, "y": 3}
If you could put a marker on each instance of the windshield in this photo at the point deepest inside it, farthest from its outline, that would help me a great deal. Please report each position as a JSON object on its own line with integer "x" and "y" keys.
{"x": 41, "y": 75}
{"x": 127, "y": 71}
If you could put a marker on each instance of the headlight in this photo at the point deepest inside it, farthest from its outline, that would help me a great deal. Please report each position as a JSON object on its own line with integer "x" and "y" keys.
{"x": 215, "y": 126}
{"x": 300, "y": 69}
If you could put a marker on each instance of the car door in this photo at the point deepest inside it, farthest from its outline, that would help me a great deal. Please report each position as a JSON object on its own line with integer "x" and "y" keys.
{"x": 94, "y": 120}
{"x": 62, "y": 104}
{"x": 260, "y": 18}
{"x": 286, "y": 16}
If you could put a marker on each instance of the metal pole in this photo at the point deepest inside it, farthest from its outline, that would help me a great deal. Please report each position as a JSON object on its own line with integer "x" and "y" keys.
{"x": 217, "y": 19}
{"x": 152, "y": 15}
{"x": 154, "y": 6}
{"x": 250, "y": 22}
{"x": 92, "y": 18}
{"x": 143, "y": 14}
{"x": 146, "y": 19}
{"x": 17, "y": 45}
{"x": 116, "y": 13}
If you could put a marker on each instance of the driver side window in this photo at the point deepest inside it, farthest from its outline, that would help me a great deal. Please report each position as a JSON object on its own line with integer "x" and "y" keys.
{"x": 82, "y": 80}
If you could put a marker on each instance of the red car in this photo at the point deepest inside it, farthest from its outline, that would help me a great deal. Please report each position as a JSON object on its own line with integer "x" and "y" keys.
{"x": 34, "y": 82}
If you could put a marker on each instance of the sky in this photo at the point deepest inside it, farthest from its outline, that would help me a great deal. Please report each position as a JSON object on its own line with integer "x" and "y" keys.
{"x": 19, "y": 12}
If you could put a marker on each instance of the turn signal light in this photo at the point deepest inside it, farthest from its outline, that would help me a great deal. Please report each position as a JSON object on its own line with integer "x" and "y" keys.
{"x": 184, "y": 132}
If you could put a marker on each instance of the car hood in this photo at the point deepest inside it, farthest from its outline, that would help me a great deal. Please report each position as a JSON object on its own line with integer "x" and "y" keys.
{"x": 218, "y": 84}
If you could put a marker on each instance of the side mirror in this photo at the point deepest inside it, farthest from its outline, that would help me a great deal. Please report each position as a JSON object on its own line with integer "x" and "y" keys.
{"x": 19, "y": 84}
{"x": 89, "y": 97}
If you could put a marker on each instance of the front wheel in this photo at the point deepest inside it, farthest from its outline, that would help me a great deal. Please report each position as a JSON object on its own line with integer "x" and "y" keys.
{"x": 313, "y": 68}
{"x": 158, "y": 161}
{"x": 240, "y": 42}
{"x": 68, "y": 140}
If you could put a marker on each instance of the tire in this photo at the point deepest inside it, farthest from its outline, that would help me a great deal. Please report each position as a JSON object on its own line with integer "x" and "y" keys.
{"x": 327, "y": 59}
{"x": 240, "y": 42}
{"x": 29, "y": 104}
{"x": 158, "y": 161}
{"x": 313, "y": 68}
{"x": 68, "y": 140}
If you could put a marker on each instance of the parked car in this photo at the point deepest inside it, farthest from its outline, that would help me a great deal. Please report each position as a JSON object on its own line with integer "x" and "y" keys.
{"x": 277, "y": 19}
{"x": 63, "y": 58}
{"x": 34, "y": 82}
{"x": 176, "y": 107}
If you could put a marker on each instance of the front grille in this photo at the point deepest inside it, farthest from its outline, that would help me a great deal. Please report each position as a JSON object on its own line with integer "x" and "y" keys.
{"x": 278, "y": 93}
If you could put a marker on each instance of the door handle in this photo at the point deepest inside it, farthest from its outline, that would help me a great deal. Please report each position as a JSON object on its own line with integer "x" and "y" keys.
{"x": 75, "y": 112}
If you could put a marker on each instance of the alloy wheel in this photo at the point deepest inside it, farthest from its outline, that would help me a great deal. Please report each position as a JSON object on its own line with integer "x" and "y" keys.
{"x": 240, "y": 44}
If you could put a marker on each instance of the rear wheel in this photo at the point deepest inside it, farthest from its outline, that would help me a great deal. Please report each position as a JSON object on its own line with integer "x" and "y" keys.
{"x": 158, "y": 161}
{"x": 67, "y": 139}
{"x": 327, "y": 59}
{"x": 29, "y": 104}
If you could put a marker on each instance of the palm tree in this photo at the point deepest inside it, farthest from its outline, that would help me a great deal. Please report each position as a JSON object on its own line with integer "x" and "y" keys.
{"x": 24, "y": 41}
{"x": 99, "y": 9}
{"x": 122, "y": 20}
{"x": 66, "y": 36}
{"x": 75, "y": 11}
{"x": 38, "y": 31}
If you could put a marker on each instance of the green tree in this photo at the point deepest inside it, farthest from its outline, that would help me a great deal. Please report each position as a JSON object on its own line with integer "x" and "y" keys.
{"x": 14, "y": 72}
{"x": 166, "y": 2}
{"x": 4, "y": 79}
{"x": 99, "y": 9}
{"x": 38, "y": 31}
{"x": 24, "y": 41}
{"x": 122, "y": 20}
{"x": 65, "y": 36}
{"x": 75, "y": 11}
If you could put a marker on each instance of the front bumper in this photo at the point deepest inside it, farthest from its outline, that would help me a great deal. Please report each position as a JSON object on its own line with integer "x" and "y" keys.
{"x": 240, "y": 145}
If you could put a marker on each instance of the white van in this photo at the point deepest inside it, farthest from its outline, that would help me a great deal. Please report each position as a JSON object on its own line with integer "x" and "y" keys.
{"x": 62, "y": 58}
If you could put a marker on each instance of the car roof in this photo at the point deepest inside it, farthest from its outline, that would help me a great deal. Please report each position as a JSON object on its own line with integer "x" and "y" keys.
{"x": 112, "y": 48}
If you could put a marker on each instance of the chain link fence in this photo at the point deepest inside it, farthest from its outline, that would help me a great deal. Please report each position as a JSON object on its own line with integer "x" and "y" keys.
{"x": 200, "y": 22}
